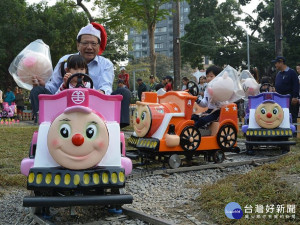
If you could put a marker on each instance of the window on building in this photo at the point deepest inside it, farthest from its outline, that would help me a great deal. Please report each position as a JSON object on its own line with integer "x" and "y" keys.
{"x": 138, "y": 46}
{"x": 160, "y": 29}
{"x": 160, "y": 45}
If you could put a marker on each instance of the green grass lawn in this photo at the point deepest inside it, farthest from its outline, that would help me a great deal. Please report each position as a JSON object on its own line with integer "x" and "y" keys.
{"x": 14, "y": 146}
{"x": 276, "y": 183}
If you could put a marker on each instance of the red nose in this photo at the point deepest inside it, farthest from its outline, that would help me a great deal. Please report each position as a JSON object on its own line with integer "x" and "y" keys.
{"x": 269, "y": 115}
{"x": 137, "y": 120}
{"x": 77, "y": 139}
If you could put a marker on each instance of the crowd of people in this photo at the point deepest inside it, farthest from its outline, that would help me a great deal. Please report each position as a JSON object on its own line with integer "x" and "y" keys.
{"x": 88, "y": 60}
{"x": 16, "y": 98}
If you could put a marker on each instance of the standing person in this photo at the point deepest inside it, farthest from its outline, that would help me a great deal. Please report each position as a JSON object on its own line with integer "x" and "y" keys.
{"x": 91, "y": 41}
{"x": 298, "y": 68}
{"x": 20, "y": 103}
{"x": 124, "y": 76}
{"x": 124, "y": 91}
{"x": 213, "y": 111}
{"x": 152, "y": 84}
{"x": 286, "y": 82}
{"x": 142, "y": 88}
{"x": 169, "y": 85}
{"x": 202, "y": 85}
{"x": 162, "y": 84}
{"x": 185, "y": 80}
{"x": 9, "y": 96}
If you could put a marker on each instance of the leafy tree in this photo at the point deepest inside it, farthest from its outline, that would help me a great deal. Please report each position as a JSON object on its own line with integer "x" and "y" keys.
{"x": 213, "y": 32}
{"x": 264, "y": 45}
{"x": 57, "y": 26}
{"x": 12, "y": 27}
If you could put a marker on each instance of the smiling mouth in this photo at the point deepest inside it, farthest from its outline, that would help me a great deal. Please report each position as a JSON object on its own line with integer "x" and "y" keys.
{"x": 139, "y": 130}
{"x": 76, "y": 158}
{"x": 267, "y": 122}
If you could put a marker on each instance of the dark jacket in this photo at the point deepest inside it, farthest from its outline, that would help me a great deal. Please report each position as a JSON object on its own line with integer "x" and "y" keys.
{"x": 125, "y": 120}
{"x": 142, "y": 88}
{"x": 287, "y": 82}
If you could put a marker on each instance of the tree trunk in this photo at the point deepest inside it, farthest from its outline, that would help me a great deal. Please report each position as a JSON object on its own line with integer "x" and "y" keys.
{"x": 151, "y": 29}
{"x": 278, "y": 27}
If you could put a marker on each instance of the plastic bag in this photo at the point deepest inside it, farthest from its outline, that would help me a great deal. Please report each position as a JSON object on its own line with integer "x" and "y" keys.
{"x": 249, "y": 84}
{"x": 33, "y": 61}
{"x": 225, "y": 87}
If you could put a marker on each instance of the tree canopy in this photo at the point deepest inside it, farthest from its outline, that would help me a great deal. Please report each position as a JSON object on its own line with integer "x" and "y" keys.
{"x": 213, "y": 32}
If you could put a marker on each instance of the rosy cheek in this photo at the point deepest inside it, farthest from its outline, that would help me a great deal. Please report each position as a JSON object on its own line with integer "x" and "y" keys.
{"x": 258, "y": 116}
{"x": 55, "y": 143}
{"x": 280, "y": 116}
{"x": 101, "y": 145}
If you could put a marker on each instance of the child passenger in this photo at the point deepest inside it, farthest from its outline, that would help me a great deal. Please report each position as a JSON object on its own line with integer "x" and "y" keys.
{"x": 213, "y": 111}
{"x": 75, "y": 64}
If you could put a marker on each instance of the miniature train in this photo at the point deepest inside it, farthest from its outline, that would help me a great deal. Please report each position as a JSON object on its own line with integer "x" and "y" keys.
{"x": 268, "y": 123}
{"x": 76, "y": 156}
{"x": 163, "y": 127}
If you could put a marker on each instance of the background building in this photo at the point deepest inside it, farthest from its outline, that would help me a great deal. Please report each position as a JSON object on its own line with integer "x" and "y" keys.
{"x": 163, "y": 34}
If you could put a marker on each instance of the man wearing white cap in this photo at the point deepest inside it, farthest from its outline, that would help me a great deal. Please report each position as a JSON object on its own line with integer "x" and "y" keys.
{"x": 91, "y": 42}
{"x": 124, "y": 76}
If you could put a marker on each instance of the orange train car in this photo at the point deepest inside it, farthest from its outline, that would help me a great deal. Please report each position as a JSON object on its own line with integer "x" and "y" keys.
{"x": 163, "y": 127}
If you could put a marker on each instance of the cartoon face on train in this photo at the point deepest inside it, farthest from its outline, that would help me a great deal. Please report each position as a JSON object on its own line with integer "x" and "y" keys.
{"x": 269, "y": 115}
{"x": 142, "y": 120}
{"x": 78, "y": 139}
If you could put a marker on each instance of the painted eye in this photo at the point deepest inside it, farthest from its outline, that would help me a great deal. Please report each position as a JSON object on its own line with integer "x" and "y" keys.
{"x": 91, "y": 131}
{"x": 275, "y": 111}
{"x": 65, "y": 130}
{"x": 136, "y": 114}
{"x": 263, "y": 111}
{"x": 143, "y": 116}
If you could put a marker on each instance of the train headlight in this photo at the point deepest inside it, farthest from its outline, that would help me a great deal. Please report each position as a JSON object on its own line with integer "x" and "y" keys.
{"x": 121, "y": 177}
{"x": 39, "y": 178}
{"x": 48, "y": 178}
{"x": 67, "y": 179}
{"x": 114, "y": 178}
{"x": 57, "y": 179}
{"x": 31, "y": 178}
{"x": 104, "y": 178}
{"x": 86, "y": 179}
{"x": 96, "y": 178}
{"x": 76, "y": 180}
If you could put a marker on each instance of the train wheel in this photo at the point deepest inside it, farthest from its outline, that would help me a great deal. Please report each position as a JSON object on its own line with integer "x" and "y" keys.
{"x": 227, "y": 137}
{"x": 219, "y": 156}
{"x": 174, "y": 161}
{"x": 190, "y": 138}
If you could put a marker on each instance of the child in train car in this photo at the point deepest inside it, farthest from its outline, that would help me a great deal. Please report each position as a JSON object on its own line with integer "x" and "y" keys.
{"x": 213, "y": 111}
{"x": 266, "y": 85}
{"x": 74, "y": 64}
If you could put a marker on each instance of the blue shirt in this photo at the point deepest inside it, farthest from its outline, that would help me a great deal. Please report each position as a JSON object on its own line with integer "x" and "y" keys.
{"x": 287, "y": 82}
{"x": 101, "y": 71}
{"x": 9, "y": 97}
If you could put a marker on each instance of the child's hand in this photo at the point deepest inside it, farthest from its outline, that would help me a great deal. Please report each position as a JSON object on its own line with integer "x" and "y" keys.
{"x": 66, "y": 77}
{"x": 37, "y": 81}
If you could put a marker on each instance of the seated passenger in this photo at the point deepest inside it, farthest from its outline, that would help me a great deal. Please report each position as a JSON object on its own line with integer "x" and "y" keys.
{"x": 74, "y": 64}
{"x": 213, "y": 111}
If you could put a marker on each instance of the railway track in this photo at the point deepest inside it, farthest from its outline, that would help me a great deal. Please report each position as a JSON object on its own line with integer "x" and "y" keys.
{"x": 133, "y": 215}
